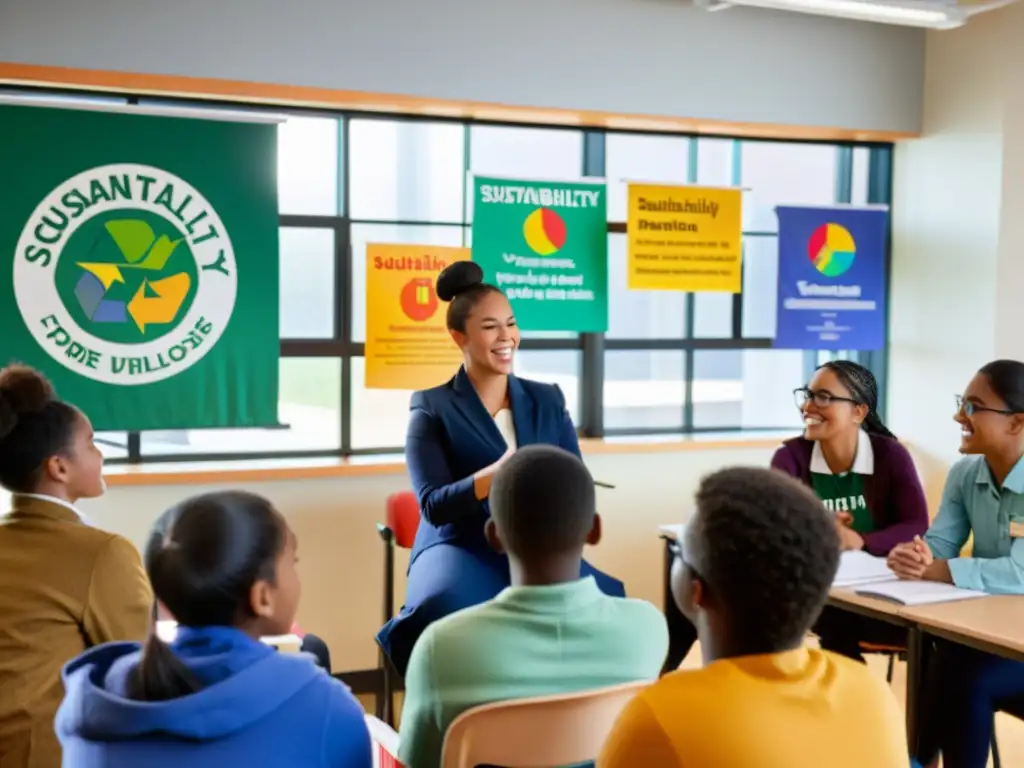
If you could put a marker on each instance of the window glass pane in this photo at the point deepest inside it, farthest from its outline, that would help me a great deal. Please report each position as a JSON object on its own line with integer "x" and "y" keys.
{"x": 643, "y": 390}
{"x": 387, "y": 233}
{"x": 712, "y": 315}
{"x": 307, "y": 283}
{"x": 307, "y": 166}
{"x": 640, "y": 314}
{"x": 639, "y": 158}
{"x": 746, "y": 389}
{"x": 861, "y": 171}
{"x": 406, "y": 171}
{"x": 524, "y": 153}
{"x": 760, "y": 286}
{"x": 561, "y": 367}
{"x": 715, "y": 165}
{"x": 785, "y": 174}
{"x": 379, "y": 416}
{"x": 113, "y": 445}
{"x": 309, "y": 408}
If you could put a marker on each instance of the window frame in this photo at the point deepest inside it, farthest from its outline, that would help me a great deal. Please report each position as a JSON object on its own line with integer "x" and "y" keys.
{"x": 591, "y": 347}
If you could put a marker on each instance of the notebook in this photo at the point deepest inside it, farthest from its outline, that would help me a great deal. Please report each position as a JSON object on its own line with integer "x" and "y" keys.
{"x": 870, "y": 576}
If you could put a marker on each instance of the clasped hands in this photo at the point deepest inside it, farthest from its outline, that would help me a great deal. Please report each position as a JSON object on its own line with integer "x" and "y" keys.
{"x": 914, "y": 561}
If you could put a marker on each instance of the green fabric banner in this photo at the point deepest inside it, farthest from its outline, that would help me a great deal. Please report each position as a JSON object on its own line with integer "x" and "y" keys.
{"x": 143, "y": 264}
{"x": 546, "y": 245}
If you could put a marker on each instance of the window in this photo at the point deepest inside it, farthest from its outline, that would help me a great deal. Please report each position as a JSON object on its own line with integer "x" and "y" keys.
{"x": 308, "y": 171}
{"x": 670, "y": 361}
{"x": 309, "y": 412}
{"x": 404, "y": 171}
{"x": 746, "y": 388}
{"x": 644, "y": 390}
{"x": 307, "y": 283}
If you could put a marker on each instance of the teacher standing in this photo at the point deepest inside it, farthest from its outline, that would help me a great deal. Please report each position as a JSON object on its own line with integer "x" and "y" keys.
{"x": 459, "y": 434}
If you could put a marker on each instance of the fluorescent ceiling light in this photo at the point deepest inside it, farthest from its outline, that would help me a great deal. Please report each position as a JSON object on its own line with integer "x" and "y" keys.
{"x": 914, "y": 14}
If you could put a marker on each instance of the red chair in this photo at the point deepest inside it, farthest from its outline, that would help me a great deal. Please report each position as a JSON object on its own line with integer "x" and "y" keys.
{"x": 402, "y": 515}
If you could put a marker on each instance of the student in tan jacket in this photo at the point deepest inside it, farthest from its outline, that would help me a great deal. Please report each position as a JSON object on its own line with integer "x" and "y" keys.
{"x": 64, "y": 585}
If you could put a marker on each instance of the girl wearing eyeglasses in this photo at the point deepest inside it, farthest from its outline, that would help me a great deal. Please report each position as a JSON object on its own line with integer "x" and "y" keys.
{"x": 984, "y": 496}
{"x": 863, "y": 476}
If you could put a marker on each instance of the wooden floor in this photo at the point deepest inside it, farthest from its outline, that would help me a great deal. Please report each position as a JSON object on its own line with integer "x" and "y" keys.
{"x": 1009, "y": 731}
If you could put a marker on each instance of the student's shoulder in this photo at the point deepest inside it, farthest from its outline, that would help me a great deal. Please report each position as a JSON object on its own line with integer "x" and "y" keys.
{"x": 965, "y": 468}
{"x": 636, "y": 613}
{"x": 857, "y": 684}
{"x": 542, "y": 392}
{"x": 432, "y": 400}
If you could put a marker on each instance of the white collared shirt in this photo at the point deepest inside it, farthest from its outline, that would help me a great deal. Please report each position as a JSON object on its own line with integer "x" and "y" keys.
{"x": 863, "y": 463}
{"x": 55, "y": 500}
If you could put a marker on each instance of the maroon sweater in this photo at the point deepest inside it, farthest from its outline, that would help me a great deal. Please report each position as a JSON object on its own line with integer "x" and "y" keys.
{"x": 893, "y": 493}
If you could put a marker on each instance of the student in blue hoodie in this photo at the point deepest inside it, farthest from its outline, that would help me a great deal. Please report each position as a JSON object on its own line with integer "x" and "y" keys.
{"x": 217, "y": 696}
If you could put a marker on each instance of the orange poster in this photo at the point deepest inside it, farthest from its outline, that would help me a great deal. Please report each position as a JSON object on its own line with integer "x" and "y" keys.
{"x": 407, "y": 343}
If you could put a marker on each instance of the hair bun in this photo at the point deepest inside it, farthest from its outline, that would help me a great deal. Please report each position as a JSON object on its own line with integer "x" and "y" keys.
{"x": 457, "y": 278}
{"x": 22, "y": 390}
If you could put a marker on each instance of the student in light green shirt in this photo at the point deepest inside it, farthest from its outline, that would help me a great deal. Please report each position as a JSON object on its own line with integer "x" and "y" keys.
{"x": 550, "y": 632}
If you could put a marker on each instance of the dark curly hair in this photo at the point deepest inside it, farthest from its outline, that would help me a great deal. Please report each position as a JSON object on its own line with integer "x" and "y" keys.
{"x": 462, "y": 284}
{"x": 34, "y": 425}
{"x": 767, "y": 551}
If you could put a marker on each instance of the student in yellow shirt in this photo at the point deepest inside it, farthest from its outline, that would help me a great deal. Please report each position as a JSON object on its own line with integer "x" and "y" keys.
{"x": 752, "y": 573}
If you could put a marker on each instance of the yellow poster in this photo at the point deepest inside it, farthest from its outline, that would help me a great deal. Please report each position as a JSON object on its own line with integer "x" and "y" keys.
{"x": 407, "y": 343}
{"x": 684, "y": 238}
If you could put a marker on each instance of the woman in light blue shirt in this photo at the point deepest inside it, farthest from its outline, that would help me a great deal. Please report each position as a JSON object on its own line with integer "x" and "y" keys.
{"x": 984, "y": 495}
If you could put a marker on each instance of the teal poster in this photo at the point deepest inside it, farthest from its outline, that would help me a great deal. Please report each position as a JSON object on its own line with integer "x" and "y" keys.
{"x": 142, "y": 264}
{"x": 545, "y": 244}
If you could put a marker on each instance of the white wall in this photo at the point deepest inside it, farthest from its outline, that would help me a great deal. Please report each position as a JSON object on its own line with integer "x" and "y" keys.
{"x": 652, "y": 57}
{"x": 957, "y": 223}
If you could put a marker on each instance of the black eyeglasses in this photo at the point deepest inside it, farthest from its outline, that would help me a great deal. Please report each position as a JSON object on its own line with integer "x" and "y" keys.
{"x": 676, "y": 550}
{"x": 821, "y": 398}
{"x": 969, "y": 408}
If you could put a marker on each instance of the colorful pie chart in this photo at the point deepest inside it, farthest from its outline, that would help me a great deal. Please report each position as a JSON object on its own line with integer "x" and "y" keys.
{"x": 544, "y": 231}
{"x": 832, "y": 249}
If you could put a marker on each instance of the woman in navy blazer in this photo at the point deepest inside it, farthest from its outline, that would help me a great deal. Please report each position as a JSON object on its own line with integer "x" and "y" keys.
{"x": 459, "y": 435}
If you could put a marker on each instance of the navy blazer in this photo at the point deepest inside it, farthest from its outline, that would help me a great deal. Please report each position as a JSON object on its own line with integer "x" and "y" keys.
{"x": 452, "y": 436}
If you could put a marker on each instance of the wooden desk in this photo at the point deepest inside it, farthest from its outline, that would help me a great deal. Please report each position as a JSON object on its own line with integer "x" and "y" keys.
{"x": 990, "y": 624}
{"x": 871, "y": 607}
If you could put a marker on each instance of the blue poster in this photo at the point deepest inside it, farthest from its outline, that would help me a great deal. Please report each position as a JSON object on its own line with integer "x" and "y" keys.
{"x": 832, "y": 277}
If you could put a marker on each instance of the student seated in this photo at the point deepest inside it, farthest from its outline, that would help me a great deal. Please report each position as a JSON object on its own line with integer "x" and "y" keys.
{"x": 862, "y": 474}
{"x": 984, "y": 495}
{"x": 752, "y": 573}
{"x": 64, "y": 584}
{"x": 216, "y": 697}
{"x": 550, "y": 632}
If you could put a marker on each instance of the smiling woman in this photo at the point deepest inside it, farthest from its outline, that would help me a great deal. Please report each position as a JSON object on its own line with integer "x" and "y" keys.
{"x": 460, "y": 434}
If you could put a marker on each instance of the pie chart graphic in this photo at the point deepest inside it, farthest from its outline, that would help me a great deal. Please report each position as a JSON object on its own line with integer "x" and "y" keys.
{"x": 832, "y": 249}
{"x": 544, "y": 231}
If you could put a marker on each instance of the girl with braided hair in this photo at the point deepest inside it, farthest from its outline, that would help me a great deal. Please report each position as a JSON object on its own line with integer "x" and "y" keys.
{"x": 862, "y": 475}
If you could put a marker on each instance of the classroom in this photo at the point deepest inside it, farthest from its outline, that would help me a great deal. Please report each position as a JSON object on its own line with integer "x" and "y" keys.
{"x": 394, "y": 136}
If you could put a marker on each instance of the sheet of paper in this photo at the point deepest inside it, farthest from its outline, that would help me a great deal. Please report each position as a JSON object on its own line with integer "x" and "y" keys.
{"x": 674, "y": 532}
{"x": 859, "y": 568}
{"x": 918, "y": 592}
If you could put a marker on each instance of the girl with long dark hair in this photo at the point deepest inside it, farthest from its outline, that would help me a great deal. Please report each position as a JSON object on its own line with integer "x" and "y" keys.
{"x": 216, "y": 696}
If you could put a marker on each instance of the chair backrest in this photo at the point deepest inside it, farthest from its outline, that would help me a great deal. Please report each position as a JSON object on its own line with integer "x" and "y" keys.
{"x": 403, "y": 517}
{"x": 385, "y": 743}
{"x": 536, "y": 733}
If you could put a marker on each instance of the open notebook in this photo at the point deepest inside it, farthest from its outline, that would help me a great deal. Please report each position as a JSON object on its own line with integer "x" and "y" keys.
{"x": 869, "y": 576}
